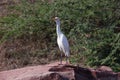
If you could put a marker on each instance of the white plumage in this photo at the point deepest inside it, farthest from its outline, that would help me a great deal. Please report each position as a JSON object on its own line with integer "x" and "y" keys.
{"x": 62, "y": 41}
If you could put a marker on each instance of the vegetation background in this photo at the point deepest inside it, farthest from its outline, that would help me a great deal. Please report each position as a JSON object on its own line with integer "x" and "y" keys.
{"x": 28, "y": 34}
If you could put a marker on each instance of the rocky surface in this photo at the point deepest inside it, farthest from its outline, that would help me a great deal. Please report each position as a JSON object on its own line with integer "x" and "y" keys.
{"x": 59, "y": 72}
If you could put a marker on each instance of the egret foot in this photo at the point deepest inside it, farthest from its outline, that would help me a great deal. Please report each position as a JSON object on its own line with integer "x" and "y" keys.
{"x": 67, "y": 60}
{"x": 60, "y": 64}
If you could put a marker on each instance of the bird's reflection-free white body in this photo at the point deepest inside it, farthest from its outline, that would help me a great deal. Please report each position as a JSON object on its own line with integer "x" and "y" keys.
{"x": 62, "y": 41}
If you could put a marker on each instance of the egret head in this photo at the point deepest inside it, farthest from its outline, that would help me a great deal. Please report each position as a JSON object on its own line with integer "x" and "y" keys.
{"x": 56, "y": 19}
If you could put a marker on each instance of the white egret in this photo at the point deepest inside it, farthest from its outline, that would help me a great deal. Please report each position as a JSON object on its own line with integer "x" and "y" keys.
{"x": 62, "y": 41}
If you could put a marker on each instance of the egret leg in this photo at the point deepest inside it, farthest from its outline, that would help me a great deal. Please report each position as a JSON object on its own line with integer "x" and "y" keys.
{"x": 67, "y": 60}
{"x": 61, "y": 58}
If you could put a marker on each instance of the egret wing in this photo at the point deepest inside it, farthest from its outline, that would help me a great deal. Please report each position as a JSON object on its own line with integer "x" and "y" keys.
{"x": 65, "y": 45}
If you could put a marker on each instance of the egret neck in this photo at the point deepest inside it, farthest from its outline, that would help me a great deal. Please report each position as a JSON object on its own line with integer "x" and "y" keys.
{"x": 58, "y": 28}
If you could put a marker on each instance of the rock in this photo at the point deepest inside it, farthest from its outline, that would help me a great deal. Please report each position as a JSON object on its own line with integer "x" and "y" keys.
{"x": 59, "y": 72}
{"x": 66, "y": 72}
{"x": 118, "y": 75}
{"x": 43, "y": 76}
{"x": 104, "y": 68}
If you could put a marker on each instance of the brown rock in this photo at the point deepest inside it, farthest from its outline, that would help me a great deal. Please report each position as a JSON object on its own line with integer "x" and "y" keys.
{"x": 43, "y": 76}
{"x": 104, "y": 68}
{"x": 118, "y": 75}
{"x": 59, "y": 72}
